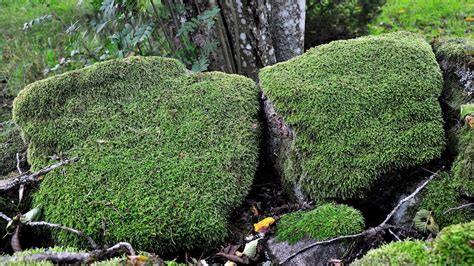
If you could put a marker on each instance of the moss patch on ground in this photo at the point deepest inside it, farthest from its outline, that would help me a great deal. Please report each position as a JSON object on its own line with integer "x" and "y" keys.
{"x": 398, "y": 253}
{"x": 326, "y": 221}
{"x": 164, "y": 155}
{"x": 359, "y": 109}
{"x": 451, "y": 247}
{"x": 449, "y": 190}
{"x": 10, "y": 144}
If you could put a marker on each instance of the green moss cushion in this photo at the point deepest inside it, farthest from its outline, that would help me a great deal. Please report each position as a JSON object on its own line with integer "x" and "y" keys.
{"x": 164, "y": 155}
{"x": 326, "y": 221}
{"x": 359, "y": 108}
{"x": 398, "y": 253}
{"x": 453, "y": 245}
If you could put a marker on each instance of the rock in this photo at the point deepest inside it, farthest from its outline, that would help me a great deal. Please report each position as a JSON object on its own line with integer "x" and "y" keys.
{"x": 319, "y": 255}
{"x": 344, "y": 114}
{"x": 165, "y": 155}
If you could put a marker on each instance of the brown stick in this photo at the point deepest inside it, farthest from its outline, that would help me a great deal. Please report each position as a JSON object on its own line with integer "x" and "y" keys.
{"x": 65, "y": 228}
{"x": 33, "y": 178}
{"x": 370, "y": 231}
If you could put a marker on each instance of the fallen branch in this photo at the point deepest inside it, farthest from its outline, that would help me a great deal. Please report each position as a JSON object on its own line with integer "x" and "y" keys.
{"x": 459, "y": 207}
{"x": 65, "y": 228}
{"x": 4, "y": 217}
{"x": 33, "y": 178}
{"x": 369, "y": 232}
{"x": 73, "y": 257}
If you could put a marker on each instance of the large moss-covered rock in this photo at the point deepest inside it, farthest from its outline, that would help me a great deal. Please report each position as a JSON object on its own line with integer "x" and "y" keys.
{"x": 453, "y": 245}
{"x": 450, "y": 191}
{"x": 164, "y": 154}
{"x": 356, "y": 109}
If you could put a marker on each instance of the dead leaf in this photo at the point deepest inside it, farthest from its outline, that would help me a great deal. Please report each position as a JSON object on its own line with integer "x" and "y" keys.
{"x": 254, "y": 211}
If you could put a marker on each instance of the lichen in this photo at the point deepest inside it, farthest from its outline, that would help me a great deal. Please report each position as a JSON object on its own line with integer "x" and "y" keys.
{"x": 359, "y": 109}
{"x": 326, "y": 221}
{"x": 164, "y": 155}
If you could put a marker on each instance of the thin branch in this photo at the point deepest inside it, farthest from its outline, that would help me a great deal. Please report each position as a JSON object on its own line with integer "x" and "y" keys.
{"x": 459, "y": 207}
{"x": 33, "y": 178}
{"x": 121, "y": 246}
{"x": 4, "y": 217}
{"x": 65, "y": 228}
{"x": 400, "y": 203}
{"x": 368, "y": 232}
{"x": 18, "y": 162}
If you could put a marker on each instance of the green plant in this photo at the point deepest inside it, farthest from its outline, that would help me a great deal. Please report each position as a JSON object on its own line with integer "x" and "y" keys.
{"x": 432, "y": 18}
{"x": 358, "y": 109}
{"x": 453, "y": 246}
{"x": 326, "y": 221}
{"x": 398, "y": 253}
{"x": 165, "y": 155}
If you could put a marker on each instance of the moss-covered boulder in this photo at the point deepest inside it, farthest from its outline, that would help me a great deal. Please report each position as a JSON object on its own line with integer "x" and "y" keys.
{"x": 164, "y": 154}
{"x": 454, "y": 189}
{"x": 10, "y": 144}
{"x": 324, "y": 222}
{"x": 398, "y": 253}
{"x": 356, "y": 109}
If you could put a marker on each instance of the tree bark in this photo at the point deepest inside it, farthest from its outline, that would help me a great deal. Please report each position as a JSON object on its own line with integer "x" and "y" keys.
{"x": 251, "y": 33}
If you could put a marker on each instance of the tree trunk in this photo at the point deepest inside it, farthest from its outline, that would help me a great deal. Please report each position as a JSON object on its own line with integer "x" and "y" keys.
{"x": 252, "y": 34}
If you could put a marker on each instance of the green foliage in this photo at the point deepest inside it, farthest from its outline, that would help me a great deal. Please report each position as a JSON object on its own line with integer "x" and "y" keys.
{"x": 24, "y": 54}
{"x": 164, "y": 155}
{"x": 359, "y": 110}
{"x": 10, "y": 144}
{"x": 326, "y": 221}
{"x": 424, "y": 221}
{"x": 432, "y": 18}
{"x": 453, "y": 245}
{"x": 397, "y": 253}
{"x": 329, "y": 20}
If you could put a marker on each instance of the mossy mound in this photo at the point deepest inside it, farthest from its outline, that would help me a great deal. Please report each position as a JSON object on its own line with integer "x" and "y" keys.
{"x": 164, "y": 155}
{"x": 453, "y": 245}
{"x": 10, "y": 144}
{"x": 359, "y": 108}
{"x": 397, "y": 253}
{"x": 326, "y": 221}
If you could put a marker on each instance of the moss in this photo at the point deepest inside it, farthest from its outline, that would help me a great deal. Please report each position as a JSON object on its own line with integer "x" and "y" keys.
{"x": 398, "y": 253}
{"x": 10, "y": 144}
{"x": 165, "y": 155}
{"x": 359, "y": 109}
{"x": 453, "y": 245}
{"x": 326, "y": 221}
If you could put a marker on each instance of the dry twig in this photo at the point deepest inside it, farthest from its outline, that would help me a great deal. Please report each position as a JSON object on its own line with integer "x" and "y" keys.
{"x": 459, "y": 207}
{"x": 33, "y": 178}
